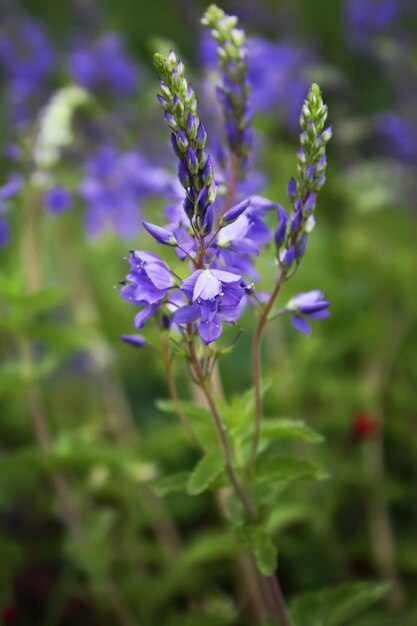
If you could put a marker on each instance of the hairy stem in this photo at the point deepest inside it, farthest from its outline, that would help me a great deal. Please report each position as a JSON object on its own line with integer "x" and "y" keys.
{"x": 174, "y": 395}
{"x": 271, "y": 583}
{"x": 256, "y": 370}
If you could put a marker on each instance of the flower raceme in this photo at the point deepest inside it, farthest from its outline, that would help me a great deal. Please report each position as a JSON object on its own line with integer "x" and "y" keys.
{"x": 220, "y": 241}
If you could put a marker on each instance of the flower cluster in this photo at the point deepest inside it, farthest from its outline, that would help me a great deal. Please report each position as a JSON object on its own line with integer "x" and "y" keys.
{"x": 220, "y": 242}
{"x": 26, "y": 63}
{"x": 188, "y": 139}
{"x": 233, "y": 93}
{"x": 292, "y": 233}
{"x": 114, "y": 184}
{"x": 103, "y": 64}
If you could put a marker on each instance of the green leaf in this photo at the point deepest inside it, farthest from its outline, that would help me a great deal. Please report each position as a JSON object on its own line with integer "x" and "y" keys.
{"x": 257, "y": 540}
{"x": 191, "y": 409}
{"x": 172, "y": 484}
{"x": 286, "y": 469}
{"x": 284, "y": 428}
{"x": 205, "y": 472}
{"x": 335, "y": 606}
{"x": 265, "y": 553}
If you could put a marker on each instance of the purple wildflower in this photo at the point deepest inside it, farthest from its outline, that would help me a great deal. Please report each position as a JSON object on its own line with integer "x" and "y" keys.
{"x": 134, "y": 340}
{"x": 233, "y": 92}
{"x": 26, "y": 61}
{"x": 215, "y": 296}
{"x": 57, "y": 200}
{"x": 147, "y": 283}
{"x": 104, "y": 64}
{"x": 310, "y": 304}
{"x": 114, "y": 185}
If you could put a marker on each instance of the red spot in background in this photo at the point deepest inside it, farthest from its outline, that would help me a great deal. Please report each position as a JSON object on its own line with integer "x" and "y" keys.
{"x": 10, "y": 614}
{"x": 365, "y": 426}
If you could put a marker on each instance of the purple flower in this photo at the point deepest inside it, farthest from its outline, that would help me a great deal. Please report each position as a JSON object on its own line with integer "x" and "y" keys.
{"x": 57, "y": 200}
{"x": 147, "y": 283}
{"x": 4, "y": 232}
{"x": 104, "y": 64}
{"x": 236, "y": 211}
{"x": 26, "y": 61}
{"x": 9, "y": 189}
{"x": 134, "y": 340}
{"x": 162, "y": 235}
{"x": 367, "y": 18}
{"x": 215, "y": 296}
{"x": 310, "y": 304}
{"x": 399, "y": 135}
{"x": 114, "y": 185}
{"x": 278, "y": 74}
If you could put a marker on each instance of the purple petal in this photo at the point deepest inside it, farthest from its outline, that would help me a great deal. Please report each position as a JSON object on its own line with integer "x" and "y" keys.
{"x": 226, "y": 277}
{"x": 159, "y": 275}
{"x": 207, "y": 286}
{"x": 134, "y": 340}
{"x": 160, "y": 234}
{"x": 144, "y": 315}
{"x": 301, "y": 324}
{"x": 186, "y": 314}
{"x": 188, "y": 284}
{"x": 210, "y": 330}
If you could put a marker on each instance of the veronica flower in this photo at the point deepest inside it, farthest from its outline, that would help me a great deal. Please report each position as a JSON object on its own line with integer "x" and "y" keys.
{"x": 367, "y": 18}
{"x": 7, "y": 191}
{"x": 103, "y": 64}
{"x": 26, "y": 62}
{"x": 147, "y": 283}
{"x": 310, "y": 304}
{"x": 215, "y": 297}
{"x": 57, "y": 199}
{"x": 113, "y": 187}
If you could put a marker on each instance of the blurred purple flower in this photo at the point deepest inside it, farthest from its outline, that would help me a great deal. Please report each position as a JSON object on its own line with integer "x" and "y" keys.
{"x": 57, "y": 200}
{"x": 398, "y": 134}
{"x": 104, "y": 64}
{"x": 8, "y": 190}
{"x": 26, "y": 61}
{"x": 365, "y": 19}
{"x": 114, "y": 184}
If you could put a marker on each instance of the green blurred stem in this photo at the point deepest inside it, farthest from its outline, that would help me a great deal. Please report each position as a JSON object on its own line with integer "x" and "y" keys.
{"x": 256, "y": 370}
{"x": 32, "y": 267}
{"x": 279, "y": 610}
{"x": 167, "y": 357}
{"x": 116, "y": 405}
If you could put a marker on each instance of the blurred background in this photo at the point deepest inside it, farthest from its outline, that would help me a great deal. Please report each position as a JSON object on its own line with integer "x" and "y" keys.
{"x": 83, "y": 538}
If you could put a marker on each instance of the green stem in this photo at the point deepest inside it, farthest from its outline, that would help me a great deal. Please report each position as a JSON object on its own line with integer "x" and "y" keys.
{"x": 32, "y": 266}
{"x": 256, "y": 370}
{"x": 271, "y": 582}
{"x": 174, "y": 395}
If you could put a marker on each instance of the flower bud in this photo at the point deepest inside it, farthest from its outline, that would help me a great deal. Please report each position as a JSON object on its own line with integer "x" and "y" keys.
{"x": 183, "y": 174}
{"x": 208, "y": 172}
{"x": 232, "y": 214}
{"x": 192, "y": 162}
{"x": 282, "y": 226}
{"x": 161, "y": 234}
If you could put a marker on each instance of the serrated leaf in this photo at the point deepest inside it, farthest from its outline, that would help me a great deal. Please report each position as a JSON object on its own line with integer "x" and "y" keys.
{"x": 172, "y": 484}
{"x": 190, "y": 409}
{"x": 286, "y": 469}
{"x": 285, "y": 428}
{"x": 265, "y": 553}
{"x": 335, "y": 606}
{"x": 205, "y": 472}
{"x": 257, "y": 540}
